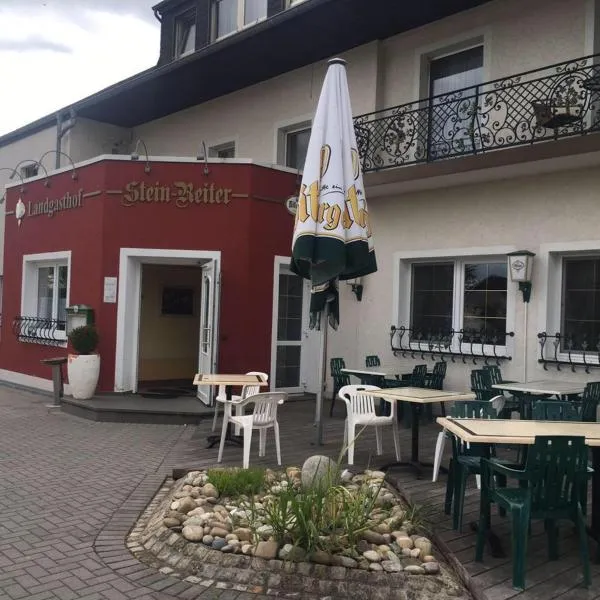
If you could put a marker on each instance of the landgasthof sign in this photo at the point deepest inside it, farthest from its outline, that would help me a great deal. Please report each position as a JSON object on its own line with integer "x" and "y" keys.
{"x": 180, "y": 193}
{"x": 51, "y": 206}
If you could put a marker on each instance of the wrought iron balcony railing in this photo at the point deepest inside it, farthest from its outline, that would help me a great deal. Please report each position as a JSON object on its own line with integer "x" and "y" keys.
{"x": 454, "y": 343}
{"x": 559, "y": 349}
{"x": 544, "y": 104}
{"x": 49, "y": 332}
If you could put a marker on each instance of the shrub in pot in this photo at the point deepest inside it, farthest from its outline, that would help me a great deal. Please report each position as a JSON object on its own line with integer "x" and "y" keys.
{"x": 83, "y": 368}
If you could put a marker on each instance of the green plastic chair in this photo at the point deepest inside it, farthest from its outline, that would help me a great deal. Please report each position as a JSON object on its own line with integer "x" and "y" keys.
{"x": 384, "y": 407}
{"x": 511, "y": 403}
{"x": 549, "y": 489}
{"x": 339, "y": 379}
{"x": 589, "y": 402}
{"x": 466, "y": 458}
{"x": 555, "y": 410}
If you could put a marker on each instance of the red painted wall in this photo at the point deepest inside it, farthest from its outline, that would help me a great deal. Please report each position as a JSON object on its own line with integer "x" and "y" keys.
{"x": 249, "y": 231}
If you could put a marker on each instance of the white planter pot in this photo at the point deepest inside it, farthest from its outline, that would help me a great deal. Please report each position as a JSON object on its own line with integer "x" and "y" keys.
{"x": 83, "y": 371}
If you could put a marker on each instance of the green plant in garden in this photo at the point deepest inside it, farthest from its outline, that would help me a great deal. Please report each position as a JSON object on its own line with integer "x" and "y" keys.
{"x": 419, "y": 515}
{"x": 84, "y": 339}
{"x": 233, "y": 482}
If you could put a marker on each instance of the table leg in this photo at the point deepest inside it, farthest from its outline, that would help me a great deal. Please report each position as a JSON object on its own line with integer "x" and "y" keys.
{"x": 214, "y": 439}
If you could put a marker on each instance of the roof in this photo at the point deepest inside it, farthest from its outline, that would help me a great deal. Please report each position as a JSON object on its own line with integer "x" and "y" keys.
{"x": 265, "y": 50}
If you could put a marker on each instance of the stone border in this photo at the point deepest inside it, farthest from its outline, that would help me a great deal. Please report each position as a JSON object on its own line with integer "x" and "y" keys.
{"x": 453, "y": 563}
{"x": 167, "y": 551}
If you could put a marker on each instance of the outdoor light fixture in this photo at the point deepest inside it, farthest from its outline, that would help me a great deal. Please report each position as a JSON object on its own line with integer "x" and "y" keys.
{"x": 30, "y": 161}
{"x": 135, "y": 155}
{"x": 520, "y": 265}
{"x": 12, "y": 174}
{"x": 203, "y": 155}
{"x": 356, "y": 286}
{"x": 60, "y": 153}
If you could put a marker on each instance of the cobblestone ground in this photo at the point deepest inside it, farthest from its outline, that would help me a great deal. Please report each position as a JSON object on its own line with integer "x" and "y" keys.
{"x": 70, "y": 490}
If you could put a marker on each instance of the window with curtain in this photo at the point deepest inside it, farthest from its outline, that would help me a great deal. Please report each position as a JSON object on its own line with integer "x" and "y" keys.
{"x": 232, "y": 15}
{"x": 185, "y": 34}
{"x": 580, "y": 314}
{"x": 453, "y": 110}
{"x": 296, "y": 147}
{"x": 52, "y": 292}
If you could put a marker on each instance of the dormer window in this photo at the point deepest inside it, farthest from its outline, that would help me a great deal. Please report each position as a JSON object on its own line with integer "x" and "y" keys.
{"x": 232, "y": 15}
{"x": 185, "y": 34}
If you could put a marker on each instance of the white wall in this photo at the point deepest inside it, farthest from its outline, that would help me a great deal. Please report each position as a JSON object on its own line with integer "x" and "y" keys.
{"x": 91, "y": 138}
{"x": 525, "y": 213}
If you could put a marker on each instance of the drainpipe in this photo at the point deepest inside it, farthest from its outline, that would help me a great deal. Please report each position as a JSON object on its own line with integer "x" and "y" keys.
{"x": 62, "y": 128}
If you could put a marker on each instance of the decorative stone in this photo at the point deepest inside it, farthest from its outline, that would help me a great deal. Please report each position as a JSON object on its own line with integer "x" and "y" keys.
{"x": 404, "y": 542}
{"x": 362, "y": 546}
{"x": 243, "y": 534}
{"x": 171, "y": 522}
{"x": 186, "y": 505}
{"x": 375, "y": 567}
{"x": 321, "y": 557}
{"x": 372, "y": 556}
{"x": 218, "y": 532}
{"x": 391, "y": 567}
{"x": 381, "y": 528}
{"x": 228, "y": 549}
{"x": 415, "y": 552}
{"x": 219, "y": 543}
{"x": 208, "y": 540}
{"x": 348, "y": 562}
{"x": 346, "y": 476}
{"x": 431, "y": 567}
{"x": 266, "y": 550}
{"x": 406, "y": 551}
{"x": 231, "y": 537}
{"x": 318, "y": 470}
{"x": 415, "y": 569}
{"x": 247, "y": 549}
{"x": 210, "y": 491}
{"x": 428, "y": 558}
{"x": 264, "y": 531}
{"x": 193, "y": 533}
{"x": 373, "y": 537}
{"x": 424, "y": 545}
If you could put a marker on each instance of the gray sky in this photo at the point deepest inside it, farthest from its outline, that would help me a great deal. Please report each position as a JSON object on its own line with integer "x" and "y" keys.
{"x": 54, "y": 52}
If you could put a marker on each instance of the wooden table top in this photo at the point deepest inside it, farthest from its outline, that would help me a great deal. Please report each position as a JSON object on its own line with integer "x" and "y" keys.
{"x": 419, "y": 395}
{"x": 543, "y": 386}
{"x": 517, "y": 431}
{"x": 219, "y": 379}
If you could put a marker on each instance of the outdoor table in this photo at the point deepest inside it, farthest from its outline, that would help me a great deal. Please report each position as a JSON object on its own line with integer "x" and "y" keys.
{"x": 525, "y": 392}
{"x": 416, "y": 396}
{"x": 228, "y": 381}
{"x": 514, "y": 431}
{"x": 366, "y": 376}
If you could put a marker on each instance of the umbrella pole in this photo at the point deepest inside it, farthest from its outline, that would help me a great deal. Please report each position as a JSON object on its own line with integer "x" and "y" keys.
{"x": 322, "y": 381}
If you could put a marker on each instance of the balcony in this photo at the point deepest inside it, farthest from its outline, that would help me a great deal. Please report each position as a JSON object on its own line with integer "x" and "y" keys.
{"x": 558, "y": 101}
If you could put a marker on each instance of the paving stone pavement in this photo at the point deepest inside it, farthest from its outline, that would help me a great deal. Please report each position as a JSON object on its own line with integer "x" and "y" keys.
{"x": 70, "y": 490}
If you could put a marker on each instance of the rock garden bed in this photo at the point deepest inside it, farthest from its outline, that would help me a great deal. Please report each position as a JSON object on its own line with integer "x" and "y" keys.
{"x": 301, "y": 525}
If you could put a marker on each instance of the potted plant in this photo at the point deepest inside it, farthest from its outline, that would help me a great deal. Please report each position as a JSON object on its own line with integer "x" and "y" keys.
{"x": 83, "y": 368}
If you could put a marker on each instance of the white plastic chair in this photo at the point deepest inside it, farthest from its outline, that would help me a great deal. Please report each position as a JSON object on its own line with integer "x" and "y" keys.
{"x": 247, "y": 390}
{"x": 361, "y": 411}
{"x": 262, "y": 418}
{"x": 497, "y": 403}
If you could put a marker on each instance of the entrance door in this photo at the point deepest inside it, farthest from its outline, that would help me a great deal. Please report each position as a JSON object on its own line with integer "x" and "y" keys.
{"x": 295, "y": 349}
{"x": 209, "y": 319}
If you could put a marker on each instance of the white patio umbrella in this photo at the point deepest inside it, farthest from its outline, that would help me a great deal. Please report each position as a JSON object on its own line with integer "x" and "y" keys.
{"x": 332, "y": 234}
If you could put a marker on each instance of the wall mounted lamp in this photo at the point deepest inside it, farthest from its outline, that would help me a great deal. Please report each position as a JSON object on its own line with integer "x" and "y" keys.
{"x": 356, "y": 287}
{"x": 135, "y": 154}
{"x": 520, "y": 266}
{"x": 13, "y": 172}
{"x": 203, "y": 155}
{"x": 30, "y": 161}
{"x": 60, "y": 153}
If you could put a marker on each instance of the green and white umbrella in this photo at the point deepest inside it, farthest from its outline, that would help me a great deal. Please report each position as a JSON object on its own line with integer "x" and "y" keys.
{"x": 332, "y": 234}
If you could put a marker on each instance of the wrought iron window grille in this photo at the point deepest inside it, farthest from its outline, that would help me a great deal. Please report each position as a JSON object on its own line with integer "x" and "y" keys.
{"x": 556, "y": 101}
{"x": 36, "y": 330}
{"x": 560, "y": 350}
{"x": 453, "y": 344}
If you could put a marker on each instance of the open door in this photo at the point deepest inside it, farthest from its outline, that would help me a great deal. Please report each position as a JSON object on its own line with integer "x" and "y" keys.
{"x": 209, "y": 320}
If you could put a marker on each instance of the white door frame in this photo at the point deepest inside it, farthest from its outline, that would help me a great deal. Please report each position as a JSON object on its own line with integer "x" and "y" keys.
{"x": 128, "y": 306}
{"x": 278, "y": 263}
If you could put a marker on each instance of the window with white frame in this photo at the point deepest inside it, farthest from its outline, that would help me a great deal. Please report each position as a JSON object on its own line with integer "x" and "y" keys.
{"x": 231, "y": 15}
{"x": 226, "y": 150}
{"x": 185, "y": 34}
{"x": 292, "y": 145}
{"x": 580, "y": 305}
{"x": 45, "y": 296}
{"x": 459, "y": 295}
